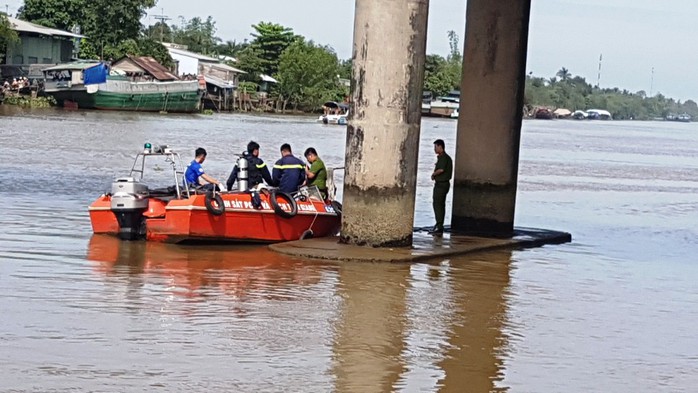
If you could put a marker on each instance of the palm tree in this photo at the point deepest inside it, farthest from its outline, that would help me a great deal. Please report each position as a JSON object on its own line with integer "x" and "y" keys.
{"x": 564, "y": 74}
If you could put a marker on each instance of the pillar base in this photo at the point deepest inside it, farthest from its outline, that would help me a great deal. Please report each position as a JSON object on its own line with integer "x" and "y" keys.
{"x": 481, "y": 227}
{"x": 483, "y": 209}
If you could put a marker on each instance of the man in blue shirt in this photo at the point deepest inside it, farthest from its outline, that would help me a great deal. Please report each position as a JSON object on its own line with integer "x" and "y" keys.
{"x": 195, "y": 172}
{"x": 289, "y": 171}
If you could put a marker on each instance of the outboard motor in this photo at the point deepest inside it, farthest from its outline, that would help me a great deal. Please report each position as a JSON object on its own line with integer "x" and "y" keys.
{"x": 243, "y": 175}
{"x": 129, "y": 200}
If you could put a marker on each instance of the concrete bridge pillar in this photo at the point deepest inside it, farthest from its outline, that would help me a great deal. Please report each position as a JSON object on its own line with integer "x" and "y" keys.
{"x": 383, "y": 131}
{"x": 489, "y": 123}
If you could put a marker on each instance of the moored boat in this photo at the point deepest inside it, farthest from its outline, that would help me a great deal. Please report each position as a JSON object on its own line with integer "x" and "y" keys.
{"x": 179, "y": 213}
{"x": 92, "y": 85}
{"x": 334, "y": 113}
{"x": 445, "y": 106}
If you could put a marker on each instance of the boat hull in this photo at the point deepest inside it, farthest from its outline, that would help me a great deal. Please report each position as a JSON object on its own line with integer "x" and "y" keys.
{"x": 178, "y": 97}
{"x": 181, "y": 220}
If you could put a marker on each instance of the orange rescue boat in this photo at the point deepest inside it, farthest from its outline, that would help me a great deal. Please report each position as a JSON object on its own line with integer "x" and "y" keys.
{"x": 180, "y": 213}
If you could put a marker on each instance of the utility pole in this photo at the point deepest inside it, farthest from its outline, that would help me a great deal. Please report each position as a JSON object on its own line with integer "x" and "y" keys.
{"x": 598, "y": 78}
{"x": 652, "y": 82}
{"x": 162, "y": 18}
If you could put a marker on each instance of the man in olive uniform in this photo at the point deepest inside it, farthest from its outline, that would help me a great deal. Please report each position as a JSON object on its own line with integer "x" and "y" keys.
{"x": 442, "y": 184}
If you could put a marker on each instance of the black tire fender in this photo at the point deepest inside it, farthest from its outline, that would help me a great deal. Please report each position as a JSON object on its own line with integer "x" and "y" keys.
{"x": 277, "y": 209}
{"x": 219, "y": 207}
{"x": 337, "y": 208}
{"x": 307, "y": 234}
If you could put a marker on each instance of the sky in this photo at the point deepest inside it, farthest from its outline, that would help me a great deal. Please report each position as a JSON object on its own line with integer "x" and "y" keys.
{"x": 634, "y": 36}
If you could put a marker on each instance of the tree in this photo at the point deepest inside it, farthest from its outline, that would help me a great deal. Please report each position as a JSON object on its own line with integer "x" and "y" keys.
{"x": 563, "y": 74}
{"x": 107, "y": 23}
{"x": 308, "y": 75}
{"x": 270, "y": 41}
{"x": 198, "y": 35}
{"x": 159, "y": 31}
{"x": 59, "y": 14}
{"x": 455, "y": 48}
{"x": 231, "y": 48}
{"x": 8, "y": 35}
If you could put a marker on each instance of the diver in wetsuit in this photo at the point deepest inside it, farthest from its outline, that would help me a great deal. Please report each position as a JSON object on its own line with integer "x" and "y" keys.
{"x": 257, "y": 169}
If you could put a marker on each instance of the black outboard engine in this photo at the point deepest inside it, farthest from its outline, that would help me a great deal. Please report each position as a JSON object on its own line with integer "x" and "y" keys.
{"x": 129, "y": 200}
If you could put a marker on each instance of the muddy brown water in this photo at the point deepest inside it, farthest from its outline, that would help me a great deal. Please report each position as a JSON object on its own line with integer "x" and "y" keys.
{"x": 616, "y": 310}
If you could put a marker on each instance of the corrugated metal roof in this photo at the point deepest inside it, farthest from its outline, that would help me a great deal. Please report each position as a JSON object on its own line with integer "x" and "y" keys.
{"x": 218, "y": 82}
{"x": 151, "y": 66}
{"x": 28, "y": 27}
{"x": 267, "y": 78}
{"x": 198, "y": 56}
{"x": 226, "y": 67}
{"x": 78, "y": 65}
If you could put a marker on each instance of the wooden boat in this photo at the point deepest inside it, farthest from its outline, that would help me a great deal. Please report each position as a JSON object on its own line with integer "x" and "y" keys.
{"x": 179, "y": 213}
{"x": 92, "y": 85}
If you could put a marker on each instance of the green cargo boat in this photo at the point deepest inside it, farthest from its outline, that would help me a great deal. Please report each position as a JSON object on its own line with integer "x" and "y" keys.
{"x": 92, "y": 85}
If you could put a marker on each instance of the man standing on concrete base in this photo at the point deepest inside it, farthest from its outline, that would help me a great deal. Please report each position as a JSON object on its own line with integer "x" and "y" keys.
{"x": 442, "y": 184}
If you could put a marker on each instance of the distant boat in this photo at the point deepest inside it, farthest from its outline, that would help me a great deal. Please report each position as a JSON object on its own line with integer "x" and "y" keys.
{"x": 92, "y": 85}
{"x": 579, "y": 115}
{"x": 684, "y": 117}
{"x": 444, "y": 106}
{"x": 334, "y": 113}
{"x": 543, "y": 113}
{"x": 426, "y": 103}
{"x": 599, "y": 114}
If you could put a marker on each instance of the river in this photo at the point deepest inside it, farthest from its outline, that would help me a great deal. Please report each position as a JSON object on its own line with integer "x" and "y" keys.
{"x": 616, "y": 310}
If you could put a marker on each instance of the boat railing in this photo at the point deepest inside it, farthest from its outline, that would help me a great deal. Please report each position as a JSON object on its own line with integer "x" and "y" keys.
{"x": 171, "y": 157}
{"x": 330, "y": 183}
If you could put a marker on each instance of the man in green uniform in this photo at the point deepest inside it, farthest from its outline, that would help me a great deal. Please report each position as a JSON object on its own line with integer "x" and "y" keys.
{"x": 316, "y": 173}
{"x": 442, "y": 184}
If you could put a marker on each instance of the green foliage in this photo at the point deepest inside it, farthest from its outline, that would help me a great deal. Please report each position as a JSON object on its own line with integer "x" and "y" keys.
{"x": 149, "y": 47}
{"x": 8, "y": 35}
{"x": 87, "y": 50}
{"x": 160, "y": 31}
{"x": 29, "y": 102}
{"x": 109, "y": 22}
{"x": 231, "y": 48}
{"x": 112, "y": 27}
{"x": 247, "y": 87}
{"x": 442, "y": 75}
{"x": 60, "y": 14}
{"x": 308, "y": 75}
{"x": 197, "y": 34}
{"x": 574, "y": 93}
{"x": 270, "y": 41}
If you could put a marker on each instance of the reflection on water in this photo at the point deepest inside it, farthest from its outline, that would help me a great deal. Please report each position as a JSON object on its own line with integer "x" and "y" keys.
{"x": 613, "y": 311}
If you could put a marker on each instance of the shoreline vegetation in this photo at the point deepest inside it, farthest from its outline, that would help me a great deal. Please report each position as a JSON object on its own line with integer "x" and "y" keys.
{"x": 308, "y": 73}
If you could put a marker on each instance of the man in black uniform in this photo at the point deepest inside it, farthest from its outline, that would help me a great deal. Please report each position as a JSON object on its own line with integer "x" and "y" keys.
{"x": 256, "y": 168}
{"x": 442, "y": 184}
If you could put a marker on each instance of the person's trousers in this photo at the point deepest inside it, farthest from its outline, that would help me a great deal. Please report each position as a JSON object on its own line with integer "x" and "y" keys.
{"x": 440, "y": 191}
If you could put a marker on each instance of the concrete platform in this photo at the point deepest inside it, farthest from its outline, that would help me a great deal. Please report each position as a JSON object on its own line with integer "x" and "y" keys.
{"x": 425, "y": 246}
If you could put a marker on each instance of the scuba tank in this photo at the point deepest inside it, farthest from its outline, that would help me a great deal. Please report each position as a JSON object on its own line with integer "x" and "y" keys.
{"x": 242, "y": 174}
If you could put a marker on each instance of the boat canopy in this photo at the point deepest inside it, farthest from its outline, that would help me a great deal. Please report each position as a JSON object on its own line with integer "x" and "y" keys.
{"x": 335, "y": 105}
{"x": 600, "y": 112}
{"x": 96, "y": 74}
